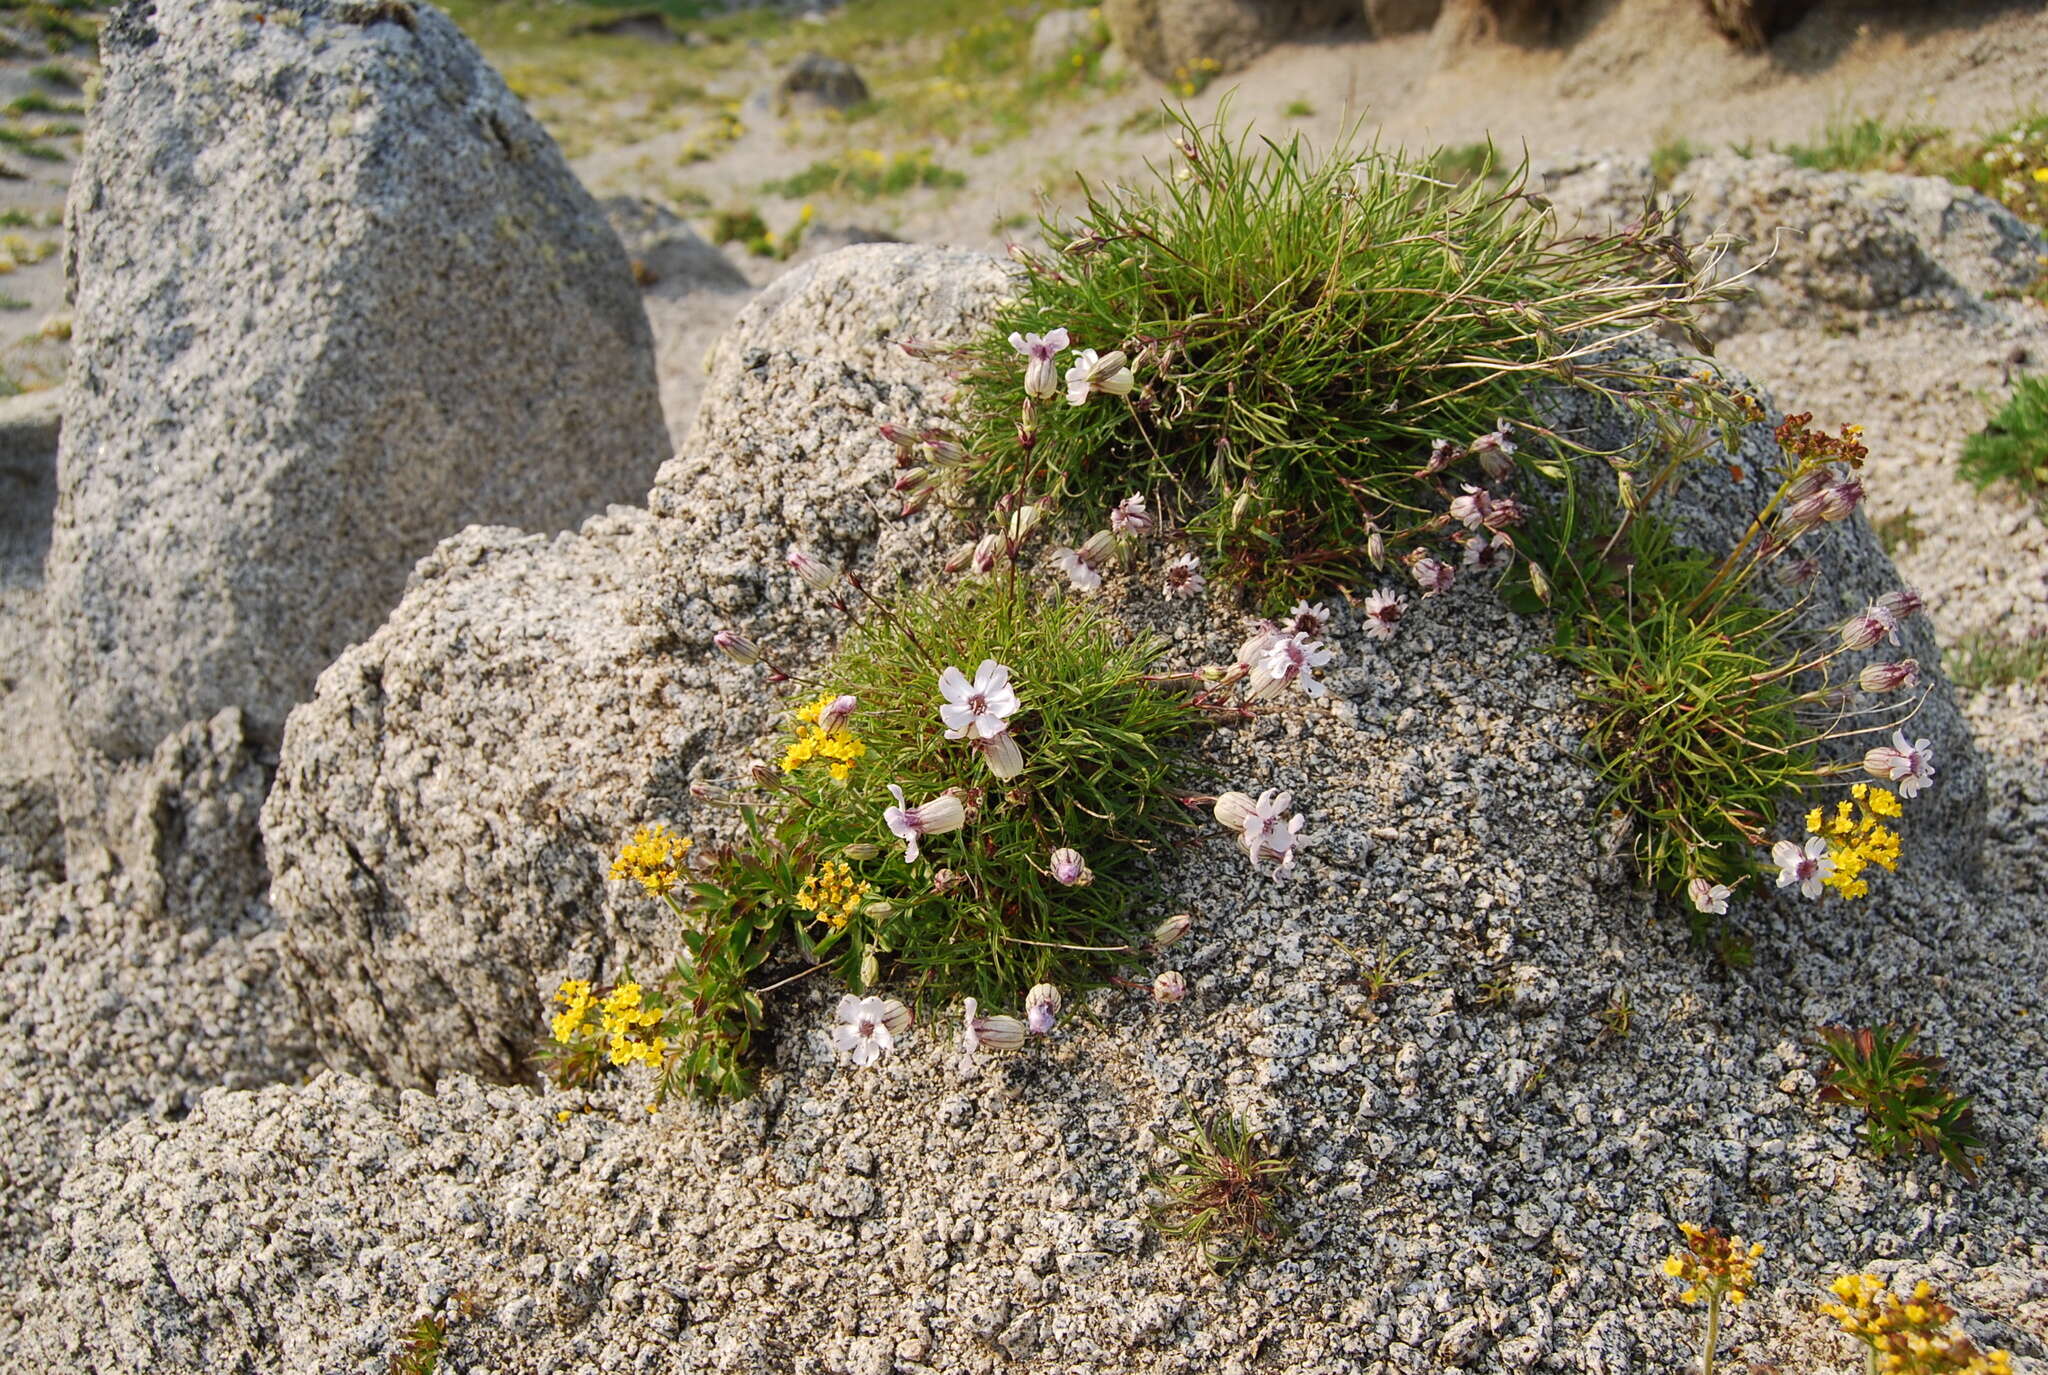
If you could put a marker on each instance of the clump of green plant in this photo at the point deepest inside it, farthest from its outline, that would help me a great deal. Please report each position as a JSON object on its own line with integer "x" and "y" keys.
{"x": 1222, "y": 1192}
{"x": 1298, "y": 109}
{"x": 1670, "y": 157}
{"x": 1380, "y": 973}
{"x": 2010, "y": 166}
{"x": 968, "y": 795}
{"x": 1899, "y": 532}
{"x": 2013, "y": 446}
{"x": 748, "y": 228}
{"x": 1864, "y": 143}
{"x": 868, "y": 173}
{"x": 1905, "y": 1102}
{"x": 1298, "y": 333}
{"x": 420, "y": 1352}
{"x": 56, "y": 74}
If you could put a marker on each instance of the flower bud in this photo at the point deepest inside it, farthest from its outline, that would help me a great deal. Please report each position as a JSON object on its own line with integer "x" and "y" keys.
{"x": 737, "y": 647}
{"x": 1902, "y": 604}
{"x": 1234, "y": 809}
{"x": 703, "y": 792}
{"x": 871, "y": 970}
{"x": 987, "y": 552}
{"x": 1023, "y": 521}
{"x": 818, "y": 575}
{"x": 903, "y": 439}
{"x": 895, "y": 1015}
{"x": 961, "y": 559}
{"x": 1004, "y": 756}
{"x": 837, "y": 712}
{"x": 1240, "y": 508}
{"x": 1865, "y": 630}
{"x": 1889, "y": 677}
{"x": 989, "y": 1033}
{"x": 1171, "y": 930}
{"x": 1539, "y": 581}
{"x": 916, "y": 502}
{"x": 912, "y": 477}
{"x": 1841, "y": 499}
{"x": 1096, "y": 552}
{"x": 1631, "y": 500}
{"x": 862, "y": 849}
{"x": 878, "y": 908}
{"x": 764, "y": 773}
{"x": 946, "y": 880}
{"x": 1169, "y": 986}
{"x": 1376, "y": 548}
{"x": 942, "y": 449}
{"x": 1068, "y": 867}
{"x": 1041, "y": 1008}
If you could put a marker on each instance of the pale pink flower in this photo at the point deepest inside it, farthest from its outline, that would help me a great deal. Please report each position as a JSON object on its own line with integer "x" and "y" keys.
{"x": 1874, "y": 623}
{"x": 1483, "y": 555}
{"x": 1495, "y": 451}
{"x": 910, "y": 824}
{"x": 1093, "y": 373}
{"x": 1911, "y": 766}
{"x": 1430, "y": 575}
{"x": 1903, "y": 604}
{"x": 1041, "y": 1009}
{"x": 1070, "y": 869}
{"x": 817, "y": 575}
{"x": 982, "y": 707}
{"x": 1255, "y": 646}
{"x": 1288, "y": 659}
{"x": 1442, "y": 454}
{"x": 1808, "y": 868}
{"x": 1709, "y": 897}
{"x": 1041, "y": 377}
{"x": 1506, "y": 511}
{"x": 1472, "y": 509}
{"x": 869, "y": 1027}
{"x": 1383, "y": 612}
{"x": 989, "y": 1033}
{"x": 1129, "y": 516}
{"x": 989, "y": 551}
{"x": 838, "y": 712}
{"x": 1184, "y": 578}
{"x": 1267, "y": 833}
{"x": 1168, "y": 986}
{"x": 1081, "y": 575}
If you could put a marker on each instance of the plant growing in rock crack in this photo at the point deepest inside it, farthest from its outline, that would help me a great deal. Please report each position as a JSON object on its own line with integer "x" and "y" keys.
{"x": 1905, "y": 1102}
{"x": 1287, "y": 340}
{"x": 1222, "y": 1191}
{"x": 1709, "y": 704}
{"x": 419, "y": 1353}
{"x": 967, "y": 798}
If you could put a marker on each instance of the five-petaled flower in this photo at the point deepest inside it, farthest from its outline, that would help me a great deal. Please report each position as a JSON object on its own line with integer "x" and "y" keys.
{"x": 1911, "y": 766}
{"x": 1383, "y": 612}
{"x": 869, "y": 1027}
{"x": 980, "y": 708}
{"x": 1129, "y": 516}
{"x": 1184, "y": 577}
{"x": 909, "y": 824}
{"x": 1431, "y": 575}
{"x": 1041, "y": 376}
{"x": 1708, "y": 896}
{"x": 1263, "y": 829}
{"x": 1309, "y": 619}
{"x": 1081, "y": 574}
{"x": 1809, "y": 868}
{"x": 1092, "y": 372}
{"x": 1286, "y": 660}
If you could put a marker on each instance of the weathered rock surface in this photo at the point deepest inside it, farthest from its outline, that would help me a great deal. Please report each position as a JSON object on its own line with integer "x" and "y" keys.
{"x": 1391, "y": 18}
{"x": 337, "y": 296}
{"x": 691, "y": 292}
{"x": 816, "y": 81}
{"x": 1166, "y": 37}
{"x": 1059, "y": 34}
{"x": 445, "y": 806}
{"x": 665, "y": 254}
{"x": 30, "y": 728}
{"x": 1478, "y": 1178}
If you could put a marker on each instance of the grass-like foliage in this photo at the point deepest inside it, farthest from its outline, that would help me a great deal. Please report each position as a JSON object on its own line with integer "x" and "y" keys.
{"x": 1906, "y": 1103}
{"x": 1221, "y": 1192}
{"x": 867, "y": 173}
{"x": 1984, "y": 660}
{"x": 1863, "y": 143}
{"x": 979, "y": 912}
{"x": 1694, "y": 733}
{"x": 2013, "y": 447}
{"x": 1300, "y": 329}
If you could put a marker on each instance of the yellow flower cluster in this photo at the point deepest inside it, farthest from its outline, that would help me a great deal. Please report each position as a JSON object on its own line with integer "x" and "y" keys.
{"x": 838, "y": 747}
{"x": 1909, "y": 1337}
{"x": 1857, "y": 837}
{"x": 574, "y": 996}
{"x": 653, "y": 858}
{"x": 631, "y": 1028}
{"x": 832, "y": 894}
{"x": 1712, "y": 1265}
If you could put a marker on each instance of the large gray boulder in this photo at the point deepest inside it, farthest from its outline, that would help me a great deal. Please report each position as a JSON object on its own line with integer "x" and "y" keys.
{"x": 1168, "y": 38}
{"x": 446, "y": 805}
{"x": 337, "y": 296}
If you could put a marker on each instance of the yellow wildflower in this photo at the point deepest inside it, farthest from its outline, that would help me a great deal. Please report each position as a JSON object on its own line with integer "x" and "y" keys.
{"x": 574, "y": 996}
{"x": 1713, "y": 1265}
{"x": 833, "y": 743}
{"x": 2041, "y": 174}
{"x": 1909, "y": 1337}
{"x": 1857, "y": 837}
{"x": 653, "y": 858}
{"x": 832, "y": 894}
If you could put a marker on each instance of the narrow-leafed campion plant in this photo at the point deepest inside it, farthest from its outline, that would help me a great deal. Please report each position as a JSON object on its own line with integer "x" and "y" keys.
{"x": 1710, "y": 705}
{"x": 1222, "y": 1191}
{"x": 1715, "y": 1269}
{"x": 1916, "y": 1335}
{"x": 968, "y": 796}
{"x": 1277, "y": 345}
{"x": 1905, "y": 1102}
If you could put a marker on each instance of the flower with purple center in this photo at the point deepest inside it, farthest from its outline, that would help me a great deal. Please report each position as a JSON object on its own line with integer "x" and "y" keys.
{"x": 868, "y": 1028}
{"x": 1184, "y": 579}
{"x": 1289, "y": 658}
{"x": 982, "y": 707}
{"x": 1263, "y": 829}
{"x": 1309, "y": 620}
{"x": 1911, "y": 766}
{"x": 1168, "y": 986}
{"x": 1430, "y": 575}
{"x": 1472, "y": 509}
{"x": 1129, "y": 516}
{"x": 1484, "y": 554}
{"x": 1041, "y": 376}
{"x": 1809, "y": 868}
{"x": 911, "y": 824}
{"x": 1383, "y": 612}
{"x": 1041, "y": 1009}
